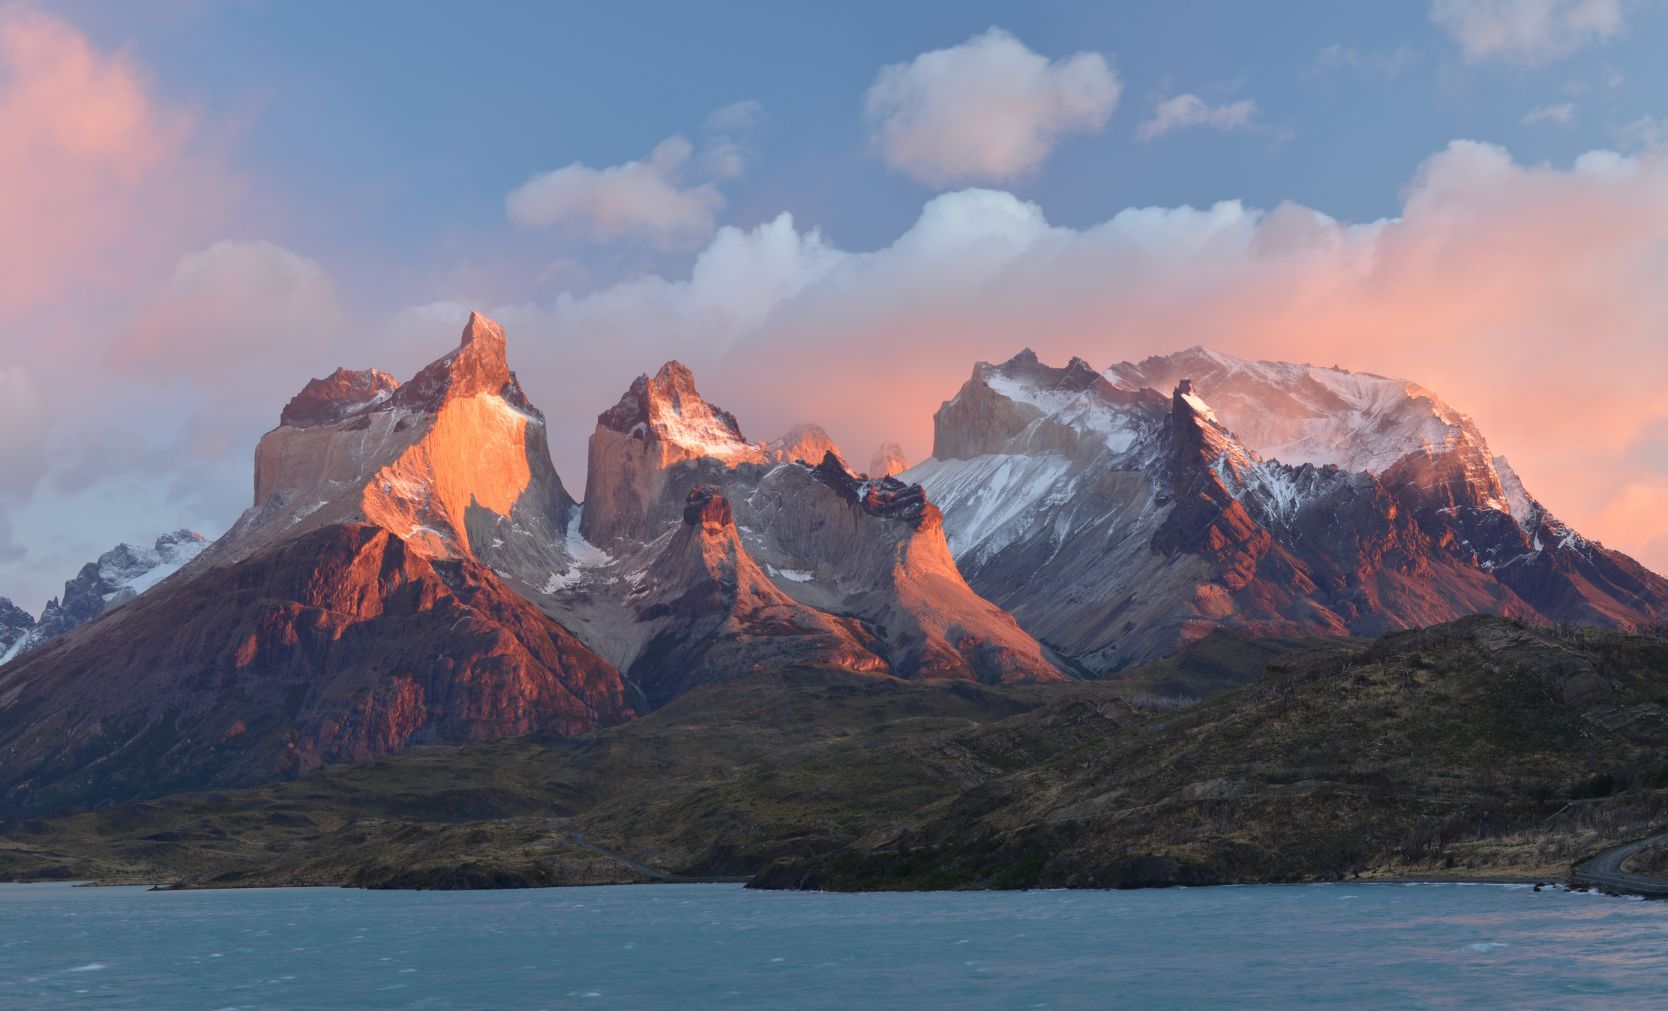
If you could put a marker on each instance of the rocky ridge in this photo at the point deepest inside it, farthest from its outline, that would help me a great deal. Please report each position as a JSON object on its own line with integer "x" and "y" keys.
{"x": 1116, "y": 522}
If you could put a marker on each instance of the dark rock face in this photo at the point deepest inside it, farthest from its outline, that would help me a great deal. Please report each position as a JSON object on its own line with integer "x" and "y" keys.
{"x": 711, "y": 614}
{"x": 337, "y": 396}
{"x": 706, "y": 507}
{"x": 342, "y": 644}
{"x": 886, "y": 497}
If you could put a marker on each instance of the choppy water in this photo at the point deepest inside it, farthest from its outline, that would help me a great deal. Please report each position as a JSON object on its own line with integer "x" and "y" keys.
{"x": 715, "y": 945}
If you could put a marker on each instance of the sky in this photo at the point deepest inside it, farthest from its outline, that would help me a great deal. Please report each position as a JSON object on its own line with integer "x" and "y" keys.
{"x": 828, "y": 212}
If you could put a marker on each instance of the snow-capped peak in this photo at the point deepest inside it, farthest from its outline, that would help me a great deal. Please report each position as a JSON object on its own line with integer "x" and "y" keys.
{"x": 1302, "y": 413}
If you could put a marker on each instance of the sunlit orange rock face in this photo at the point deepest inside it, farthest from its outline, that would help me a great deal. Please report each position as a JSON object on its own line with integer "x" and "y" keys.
{"x": 450, "y": 461}
{"x": 363, "y": 605}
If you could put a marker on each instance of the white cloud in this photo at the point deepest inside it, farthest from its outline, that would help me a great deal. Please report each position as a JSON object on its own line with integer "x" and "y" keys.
{"x": 988, "y": 109}
{"x": 1477, "y": 287}
{"x": 1528, "y": 32}
{"x": 1183, "y": 111}
{"x": 1562, "y": 113}
{"x": 644, "y": 200}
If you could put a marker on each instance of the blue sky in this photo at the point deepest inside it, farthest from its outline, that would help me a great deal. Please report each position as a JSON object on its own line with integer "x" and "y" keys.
{"x": 394, "y": 130}
{"x": 294, "y": 186}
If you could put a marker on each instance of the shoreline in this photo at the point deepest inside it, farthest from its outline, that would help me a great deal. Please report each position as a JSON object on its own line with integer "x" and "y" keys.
{"x": 1500, "y": 880}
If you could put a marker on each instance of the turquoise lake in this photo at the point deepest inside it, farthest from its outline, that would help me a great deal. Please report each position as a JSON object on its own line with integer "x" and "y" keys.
{"x": 1380, "y": 945}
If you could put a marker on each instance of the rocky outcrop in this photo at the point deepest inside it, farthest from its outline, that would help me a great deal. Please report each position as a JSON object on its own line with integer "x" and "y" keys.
{"x": 344, "y": 643}
{"x": 1115, "y": 521}
{"x": 660, "y": 422}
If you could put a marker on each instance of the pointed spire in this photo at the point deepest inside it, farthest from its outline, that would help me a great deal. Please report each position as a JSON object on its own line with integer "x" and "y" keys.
{"x": 480, "y": 327}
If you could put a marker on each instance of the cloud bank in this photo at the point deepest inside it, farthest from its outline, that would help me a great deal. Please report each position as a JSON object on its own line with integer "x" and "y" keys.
{"x": 1519, "y": 292}
{"x": 987, "y": 110}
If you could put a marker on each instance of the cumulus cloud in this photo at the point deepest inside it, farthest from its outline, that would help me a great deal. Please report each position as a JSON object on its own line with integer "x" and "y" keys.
{"x": 95, "y": 174}
{"x": 1480, "y": 287}
{"x": 231, "y": 311}
{"x": 1183, "y": 111}
{"x": 986, "y": 110}
{"x": 1527, "y": 32}
{"x": 1562, "y": 113}
{"x": 645, "y": 200}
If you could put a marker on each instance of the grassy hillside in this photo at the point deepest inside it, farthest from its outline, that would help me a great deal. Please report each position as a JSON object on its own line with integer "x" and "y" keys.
{"x": 1475, "y": 749}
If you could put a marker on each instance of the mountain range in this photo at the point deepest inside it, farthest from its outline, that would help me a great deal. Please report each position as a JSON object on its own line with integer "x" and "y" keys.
{"x": 412, "y": 570}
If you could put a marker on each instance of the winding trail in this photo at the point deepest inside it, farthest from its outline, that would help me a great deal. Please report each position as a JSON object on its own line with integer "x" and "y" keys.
{"x": 1605, "y": 873}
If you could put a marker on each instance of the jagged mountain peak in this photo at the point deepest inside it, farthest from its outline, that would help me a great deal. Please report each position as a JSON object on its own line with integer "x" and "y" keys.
{"x": 1271, "y": 497}
{"x": 480, "y": 328}
{"x": 805, "y": 441}
{"x": 888, "y": 460}
{"x": 479, "y": 365}
{"x": 455, "y": 461}
{"x": 885, "y": 497}
{"x": 667, "y": 407}
{"x": 1024, "y": 404}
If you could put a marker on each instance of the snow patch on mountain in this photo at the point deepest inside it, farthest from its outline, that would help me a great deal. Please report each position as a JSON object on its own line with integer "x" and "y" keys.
{"x": 118, "y": 576}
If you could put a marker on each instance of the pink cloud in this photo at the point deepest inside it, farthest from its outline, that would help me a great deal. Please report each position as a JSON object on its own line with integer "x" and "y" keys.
{"x": 95, "y": 174}
{"x": 1528, "y": 295}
